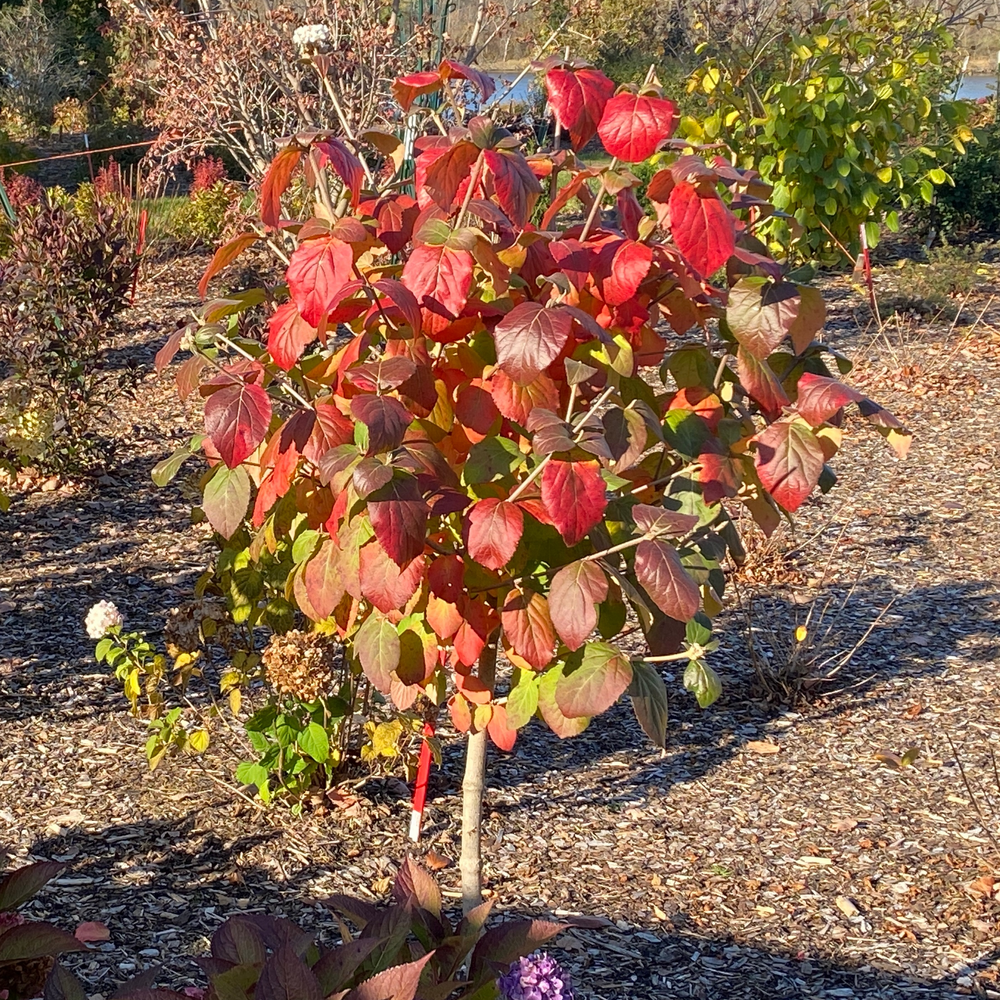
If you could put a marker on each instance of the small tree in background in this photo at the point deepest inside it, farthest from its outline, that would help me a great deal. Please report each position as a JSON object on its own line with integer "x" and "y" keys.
{"x": 454, "y": 433}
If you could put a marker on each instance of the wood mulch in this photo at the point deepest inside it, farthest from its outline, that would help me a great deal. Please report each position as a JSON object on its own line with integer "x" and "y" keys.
{"x": 767, "y": 853}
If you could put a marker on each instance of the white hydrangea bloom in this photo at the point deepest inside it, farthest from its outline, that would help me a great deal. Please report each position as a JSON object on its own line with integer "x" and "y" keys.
{"x": 101, "y": 618}
{"x": 311, "y": 36}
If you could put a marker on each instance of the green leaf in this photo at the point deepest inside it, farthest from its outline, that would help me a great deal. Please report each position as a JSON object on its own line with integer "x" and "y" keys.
{"x": 227, "y": 496}
{"x": 164, "y": 471}
{"x": 685, "y": 432}
{"x": 490, "y": 460}
{"x": 522, "y": 702}
{"x": 703, "y": 682}
{"x": 649, "y": 701}
{"x": 315, "y": 741}
{"x": 249, "y": 773}
{"x": 103, "y": 648}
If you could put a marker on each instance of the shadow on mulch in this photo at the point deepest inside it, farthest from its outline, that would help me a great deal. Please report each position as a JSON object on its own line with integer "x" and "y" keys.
{"x": 937, "y": 626}
{"x": 164, "y": 886}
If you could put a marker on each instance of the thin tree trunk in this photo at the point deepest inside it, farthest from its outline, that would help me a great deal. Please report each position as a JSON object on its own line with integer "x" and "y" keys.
{"x": 473, "y": 789}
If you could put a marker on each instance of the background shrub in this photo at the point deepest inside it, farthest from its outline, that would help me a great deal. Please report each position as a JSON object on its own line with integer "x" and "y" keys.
{"x": 63, "y": 281}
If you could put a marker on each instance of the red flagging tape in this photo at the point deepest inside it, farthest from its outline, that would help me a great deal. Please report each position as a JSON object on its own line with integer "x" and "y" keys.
{"x": 420, "y": 789}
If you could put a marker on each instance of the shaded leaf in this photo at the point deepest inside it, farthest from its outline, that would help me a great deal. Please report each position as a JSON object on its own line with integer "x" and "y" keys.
{"x": 494, "y": 530}
{"x": 399, "y": 514}
{"x": 659, "y": 571}
{"x": 377, "y": 644}
{"x": 574, "y": 594}
{"x": 529, "y": 338}
{"x": 528, "y": 626}
{"x": 386, "y": 419}
{"x": 236, "y": 419}
{"x": 649, "y": 701}
{"x": 22, "y": 883}
{"x": 226, "y": 499}
{"x": 36, "y": 940}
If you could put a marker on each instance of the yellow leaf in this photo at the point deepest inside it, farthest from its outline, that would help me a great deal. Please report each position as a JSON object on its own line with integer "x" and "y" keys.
{"x": 800, "y": 633}
{"x": 198, "y": 741}
{"x": 235, "y": 700}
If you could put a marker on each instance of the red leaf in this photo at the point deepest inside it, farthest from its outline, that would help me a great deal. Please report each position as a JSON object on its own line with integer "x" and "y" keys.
{"x": 384, "y": 583}
{"x": 658, "y": 569}
{"x": 317, "y": 272}
{"x": 578, "y": 98}
{"x": 528, "y": 626}
{"x": 288, "y": 335}
{"x": 330, "y": 429}
{"x": 322, "y": 579}
{"x": 517, "y": 188}
{"x": 500, "y": 732}
{"x": 91, "y": 931}
{"x": 440, "y": 278}
{"x": 483, "y": 82}
{"x": 761, "y": 383}
{"x": 399, "y": 516}
{"x": 760, "y": 313}
{"x": 444, "y": 171}
{"x": 446, "y": 578}
{"x": 592, "y": 686}
{"x": 236, "y": 419}
{"x": 573, "y": 494}
{"x": 819, "y": 397}
{"x": 479, "y": 622}
{"x": 475, "y": 408}
{"x": 576, "y": 186}
{"x": 396, "y": 217}
{"x": 516, "y": 402}
{"x": 630, "y": 212}
{"x": 702, "y": 227}
{"x": 633, "y": 125}
{"x": 494, "y": 528}
{"x": 345, "y": 164}
{"x": 576, "y": 591}
{"x": 169, "y": 350}
{"x": 461, "y": 714}
{"x": 529, "y": 338}
{"x": 224, "y": 256}
{"x": 403, "y": 299}
{"x": 386, "y": 419}
{"x": 275, "y": 182}
{"x": 629, "y": 268}
{"x": 406, "y": 89}
{"x": 720, "y": 474}
{"x": 789, "y": 461}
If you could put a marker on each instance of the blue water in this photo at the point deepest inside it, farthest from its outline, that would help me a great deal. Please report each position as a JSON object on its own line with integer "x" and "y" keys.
{"x": 971, "y": 88}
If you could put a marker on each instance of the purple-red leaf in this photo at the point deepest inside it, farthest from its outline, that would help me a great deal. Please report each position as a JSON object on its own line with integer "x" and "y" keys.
{"x": 574, "y": 497}
{"x": 386, "y": 419}
{"x": 399, "y": 516}
{"x": 516, "y": 187}
{"x": 36, "y": 940}
{"x": 529, "y": 338}
{"x": 345, "y": 164}
{"x": 761, "y": 383}
{"x": 659, "y": 570}
{"x": 22, "y": 883}
{"x": 495, "y": 527}
{"x": 576, "y": 591}
{"x": 789, "y": 461}
{"x": 236, "y": 419}
{"x": 633, "y": 125}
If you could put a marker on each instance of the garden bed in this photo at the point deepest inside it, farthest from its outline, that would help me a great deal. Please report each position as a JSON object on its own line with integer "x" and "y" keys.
{"x": 767, "y": 853}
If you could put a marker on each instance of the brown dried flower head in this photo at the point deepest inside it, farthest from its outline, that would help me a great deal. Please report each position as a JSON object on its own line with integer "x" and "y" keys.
{"x": 300, "y": 664}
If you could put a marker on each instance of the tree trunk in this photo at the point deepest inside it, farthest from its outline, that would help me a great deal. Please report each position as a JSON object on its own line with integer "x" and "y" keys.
{"x": 473, "y": 789}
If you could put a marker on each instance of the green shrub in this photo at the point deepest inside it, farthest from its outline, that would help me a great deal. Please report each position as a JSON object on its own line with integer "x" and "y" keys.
{"x": 62, "y": 284}
{"x": 973, "y": 203}
{"x": 843, "y": 145}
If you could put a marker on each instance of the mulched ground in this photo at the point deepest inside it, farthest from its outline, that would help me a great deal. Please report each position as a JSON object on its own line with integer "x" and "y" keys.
{"x": 768, "y": 853}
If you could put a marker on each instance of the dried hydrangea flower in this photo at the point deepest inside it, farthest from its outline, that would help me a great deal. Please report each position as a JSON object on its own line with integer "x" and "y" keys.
{"x": 102, "y": 618}
{"x": 537, "y": 977}
{"x": 300, "y": 664}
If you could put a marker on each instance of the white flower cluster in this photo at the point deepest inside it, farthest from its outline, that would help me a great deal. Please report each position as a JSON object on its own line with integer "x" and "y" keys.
{"x": 101, "y": 618}
{"x": 311, "y": 36}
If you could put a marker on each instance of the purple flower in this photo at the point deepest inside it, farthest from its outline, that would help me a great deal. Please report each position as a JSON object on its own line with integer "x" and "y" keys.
{"x": 537, "y": 977}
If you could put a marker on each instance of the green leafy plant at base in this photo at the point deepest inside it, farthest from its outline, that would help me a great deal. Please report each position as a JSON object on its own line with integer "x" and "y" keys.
{"x": 935, "y": 286}
{"x": 29, "y": 948}
{"x": 972, "y": 202}
{"x": 435, "y": 437}
{"x": 842, "y": 113}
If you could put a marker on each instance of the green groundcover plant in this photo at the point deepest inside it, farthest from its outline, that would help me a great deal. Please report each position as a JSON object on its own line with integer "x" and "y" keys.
{"x": 448, "y": 432}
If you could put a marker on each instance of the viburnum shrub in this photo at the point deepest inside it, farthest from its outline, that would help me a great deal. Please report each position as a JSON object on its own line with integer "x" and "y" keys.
{"x": 29, "y": 948}
{"x": 409, "y": 950}
{"x": 455, "y": 433}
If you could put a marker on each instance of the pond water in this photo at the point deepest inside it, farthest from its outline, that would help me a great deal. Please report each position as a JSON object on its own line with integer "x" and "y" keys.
{"x": 972, "y": 87}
